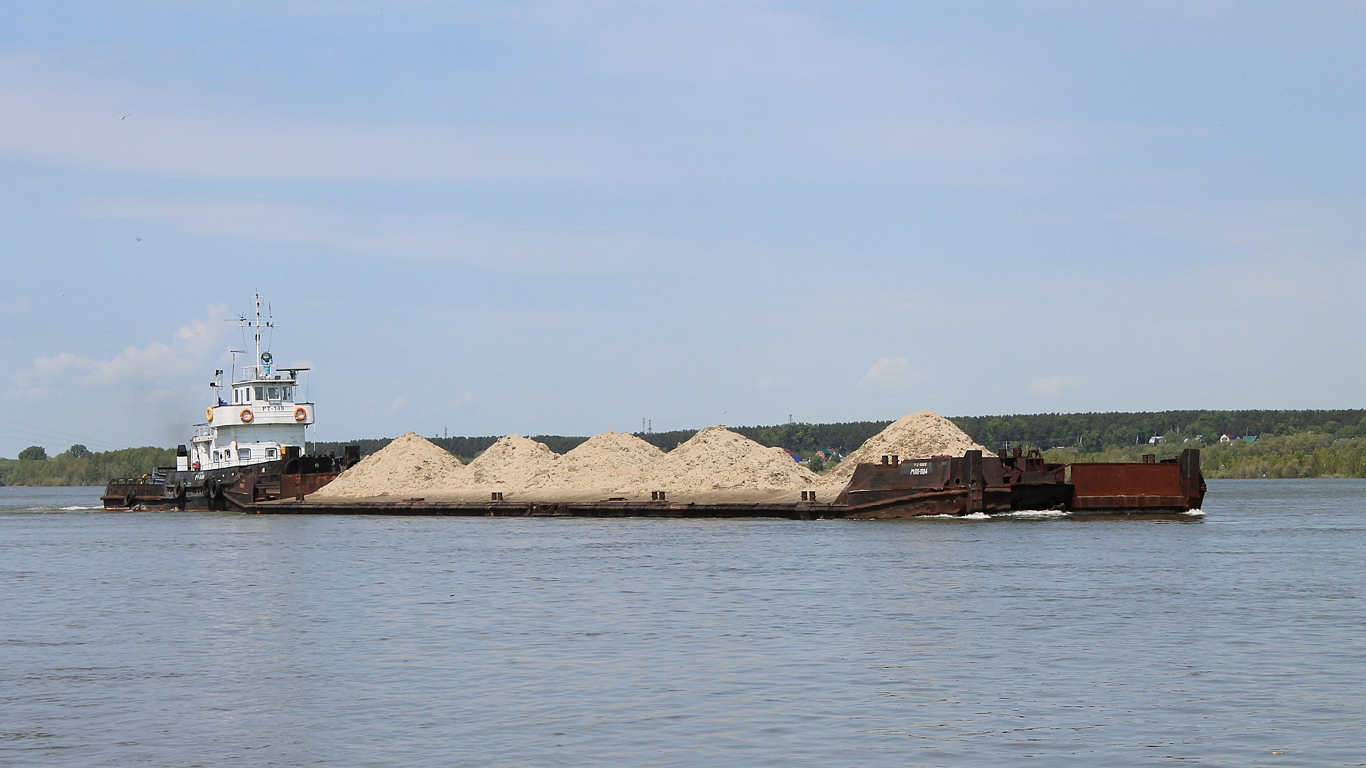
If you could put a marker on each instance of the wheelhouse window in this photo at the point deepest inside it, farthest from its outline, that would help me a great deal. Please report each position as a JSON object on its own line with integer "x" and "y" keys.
{"x": 260, "y": 393}
{"x": 289, "y": 394}
{"x": 273, "y": 393}
{"x": 244, "y": 454}
{"x": 270, "y": 453}
{"x": 217, "y": 455}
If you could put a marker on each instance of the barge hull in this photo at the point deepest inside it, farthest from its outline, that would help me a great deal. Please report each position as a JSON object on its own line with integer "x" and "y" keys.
{"x": 790, "y": 511}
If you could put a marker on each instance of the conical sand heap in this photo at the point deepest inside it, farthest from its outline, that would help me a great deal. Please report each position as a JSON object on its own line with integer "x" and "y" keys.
{"x": 600, "y": 463}
{"x": 409, "y": 464}
{"x": 918, "y": 435}
{"x": 514, "y": 462}
{"x": 716, "y": 459}
{"x": 716, "y": 463}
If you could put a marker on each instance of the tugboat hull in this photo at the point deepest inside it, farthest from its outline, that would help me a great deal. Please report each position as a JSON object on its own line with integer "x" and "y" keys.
{"x": 249, "y": 449}
{"x": 237, "y": 488}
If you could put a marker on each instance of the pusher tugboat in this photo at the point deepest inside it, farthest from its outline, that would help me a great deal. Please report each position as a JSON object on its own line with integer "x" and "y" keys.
{"x": 250, "y": 448}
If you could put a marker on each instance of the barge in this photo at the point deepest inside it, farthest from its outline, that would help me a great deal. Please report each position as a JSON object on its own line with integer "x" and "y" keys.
{"x": 972, "y": 484}
{"x": 249, "y": 456}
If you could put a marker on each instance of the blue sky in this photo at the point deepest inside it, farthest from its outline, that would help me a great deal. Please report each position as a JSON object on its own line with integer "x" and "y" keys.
{"x": 561, "y": 217}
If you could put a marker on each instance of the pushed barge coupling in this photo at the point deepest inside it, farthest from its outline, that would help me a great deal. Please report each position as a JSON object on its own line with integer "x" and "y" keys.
{"x": 942, "y": 485}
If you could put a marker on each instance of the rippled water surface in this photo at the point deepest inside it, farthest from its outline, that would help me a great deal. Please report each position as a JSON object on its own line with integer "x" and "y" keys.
{"x": 174, "y": 639}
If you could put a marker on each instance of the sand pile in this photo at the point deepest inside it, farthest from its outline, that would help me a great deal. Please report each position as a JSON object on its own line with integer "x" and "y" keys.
{"x": 405, "y": 466}
{"x": 919, "y": 435}
{"x": 716, "y": 459}
{"x": 603, "y": 462}
{"x": 514, "y": 463}
{"x": 715, "y": 463}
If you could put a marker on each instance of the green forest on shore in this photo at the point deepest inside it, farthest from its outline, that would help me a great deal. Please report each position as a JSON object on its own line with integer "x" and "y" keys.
{"x": 79, "y": 466}
{"x": 1308, "y": 454}
{"x": 1304, "y": 443}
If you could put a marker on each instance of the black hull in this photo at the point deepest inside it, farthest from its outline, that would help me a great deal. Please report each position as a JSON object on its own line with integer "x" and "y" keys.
{"x": 234, "y": 489}
{"x": 175, "y": 490}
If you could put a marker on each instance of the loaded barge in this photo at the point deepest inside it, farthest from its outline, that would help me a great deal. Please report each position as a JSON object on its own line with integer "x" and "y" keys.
{"x": 249, "y": 456}
{"x": 972, "y": 484}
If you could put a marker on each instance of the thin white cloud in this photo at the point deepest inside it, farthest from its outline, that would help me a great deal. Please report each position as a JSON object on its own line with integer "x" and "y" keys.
{"x": 1289, "y": 226}
{"x": 161, "y": 130}
{"x": 144, "y": 395}
{"x": 986, "y": 141}
{"x": 1053, "y": 386}
{"x": 838, "y": 101}
{"x": 187, "y": 352}
{"x": 498, "y": 246}
{"x": 890, "y": 374}
{"x": 834, "y": 103}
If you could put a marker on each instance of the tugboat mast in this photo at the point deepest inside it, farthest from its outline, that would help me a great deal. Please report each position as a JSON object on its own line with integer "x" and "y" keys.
{"x": 256, "y": 330}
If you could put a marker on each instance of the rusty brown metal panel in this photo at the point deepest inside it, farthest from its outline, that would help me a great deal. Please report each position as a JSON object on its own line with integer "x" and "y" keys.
{"x": 292, "y": 486}
{"x": 1126, "y": 480}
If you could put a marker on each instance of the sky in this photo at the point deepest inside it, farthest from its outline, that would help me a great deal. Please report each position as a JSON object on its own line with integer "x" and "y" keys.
{"x": 563, "y": 217}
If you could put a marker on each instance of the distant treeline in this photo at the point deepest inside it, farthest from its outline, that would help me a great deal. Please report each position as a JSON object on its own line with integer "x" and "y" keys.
{"x": 1290, "y": 443}
{"x": 464, "y": 448}
{"x": 798, "y": 437}
{"x": 1088, "y": 432}
{"x": 1308, "y": 454}
{"x": 1094, "y": 432}
{"x": 79, "y": 466}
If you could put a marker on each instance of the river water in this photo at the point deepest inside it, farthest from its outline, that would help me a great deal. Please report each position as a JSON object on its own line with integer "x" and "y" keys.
{"x": 1236, "y": 638}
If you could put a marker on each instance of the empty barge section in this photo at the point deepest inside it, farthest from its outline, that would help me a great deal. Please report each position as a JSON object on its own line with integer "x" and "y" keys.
{"x": 1173, "y": 484}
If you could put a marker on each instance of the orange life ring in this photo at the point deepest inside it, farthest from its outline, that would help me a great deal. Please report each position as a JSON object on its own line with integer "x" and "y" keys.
{"x": 300, "y": 414}
{"x": 208, "y": 414}
{"x": 246, "y": 416}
